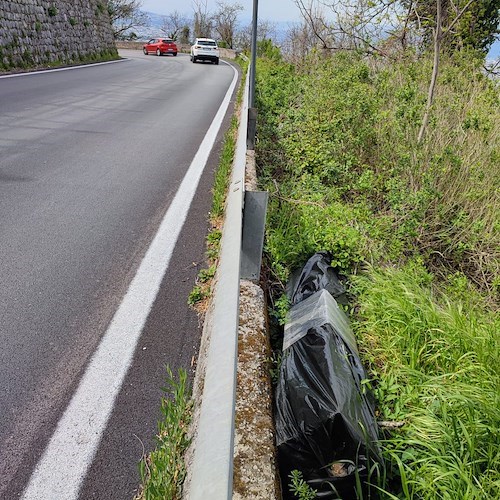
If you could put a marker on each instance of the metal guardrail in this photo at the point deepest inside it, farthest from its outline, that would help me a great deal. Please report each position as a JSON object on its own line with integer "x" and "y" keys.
{"x": 212, "y": 468}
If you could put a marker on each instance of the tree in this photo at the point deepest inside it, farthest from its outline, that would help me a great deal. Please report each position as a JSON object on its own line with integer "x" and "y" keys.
{"x": 184, "y": 36}
{"x": 300, "y": 40}
{"x": 476, "y": 27}
{"x": 266, "y": 48}
{"x": 439, "y": 31}
{"x": 351, "y": 24}
{"x": 363, "y": 24}
{"x": 265, "y": 30}
{"x": 125, "y": 15}
{"x": 202, "y": 22}
{"x": 174, "y": 24}
{"x": 479, "y": 27}
{"x": 225, "y": 21}
{"x": 314, "y": 30}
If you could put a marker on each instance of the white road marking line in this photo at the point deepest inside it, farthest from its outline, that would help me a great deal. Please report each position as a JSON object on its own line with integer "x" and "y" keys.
{"x": 56, "y": 70}
{"x": 63, "y": 466}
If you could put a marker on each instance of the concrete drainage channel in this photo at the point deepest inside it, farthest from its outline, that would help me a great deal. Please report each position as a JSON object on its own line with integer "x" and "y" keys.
{"x": 232, "y": 381}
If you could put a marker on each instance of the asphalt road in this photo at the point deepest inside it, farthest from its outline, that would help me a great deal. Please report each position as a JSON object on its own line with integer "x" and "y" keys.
{"x": 90, "y": 161}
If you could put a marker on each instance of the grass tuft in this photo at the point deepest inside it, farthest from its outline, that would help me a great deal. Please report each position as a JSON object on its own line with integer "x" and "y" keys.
{"x": 222, "y": 176}
{"x": 163, "y": 470}
{"x": 202, "y": 290}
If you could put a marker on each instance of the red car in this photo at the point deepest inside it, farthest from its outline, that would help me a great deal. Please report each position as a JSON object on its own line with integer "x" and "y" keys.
{"x": 160, "y": 46}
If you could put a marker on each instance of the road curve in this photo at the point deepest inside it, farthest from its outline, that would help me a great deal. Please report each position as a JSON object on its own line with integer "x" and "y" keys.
{"x": 90, "y": 162}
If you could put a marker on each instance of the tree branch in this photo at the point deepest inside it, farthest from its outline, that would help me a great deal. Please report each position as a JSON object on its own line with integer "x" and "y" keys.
{"x": 459, "y": 15}
{"x": 435, "y": 71}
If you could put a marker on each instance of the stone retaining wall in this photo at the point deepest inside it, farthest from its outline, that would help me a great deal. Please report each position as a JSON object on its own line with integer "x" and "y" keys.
{"x": 43, "y": 33}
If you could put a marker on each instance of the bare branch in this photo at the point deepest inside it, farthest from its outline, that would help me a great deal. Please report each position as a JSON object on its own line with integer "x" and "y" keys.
{"x": 125, "y": 15}
{"x": 225, "y": 21}
{"x": 460, "y": 14}
{"x": 174, "y": 24}
{"x": 435, "y": 71}
{"x": 202, "y": 24}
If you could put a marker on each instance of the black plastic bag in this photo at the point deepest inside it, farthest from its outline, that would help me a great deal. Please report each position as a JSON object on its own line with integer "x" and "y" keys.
{"x": 316, "y": 275}
{"x": 325, "y": 422}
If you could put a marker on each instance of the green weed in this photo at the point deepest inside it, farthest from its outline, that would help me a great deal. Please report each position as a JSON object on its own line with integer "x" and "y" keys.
{"x": 280, "y": 309}
{"x": 163, "y": 470}
{"x": 213, "y": 244}
{"x": 202, "y": 289}
{"x": 222, "y": 176}
{"x": 198, "y": 294}
{"x": 300, "y": 488}
{"x": 206, "y": 275}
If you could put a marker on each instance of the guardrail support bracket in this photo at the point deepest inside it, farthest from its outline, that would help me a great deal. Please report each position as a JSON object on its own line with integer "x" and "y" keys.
{"x": 252, "y": 128}
{"x": 254, "y": 220}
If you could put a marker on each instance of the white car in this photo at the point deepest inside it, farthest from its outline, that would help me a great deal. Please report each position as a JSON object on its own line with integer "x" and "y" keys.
{"x": 205, "y": 49}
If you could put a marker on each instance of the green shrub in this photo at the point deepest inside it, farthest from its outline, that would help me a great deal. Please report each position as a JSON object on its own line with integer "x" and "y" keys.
{"x": 340, "y": 134}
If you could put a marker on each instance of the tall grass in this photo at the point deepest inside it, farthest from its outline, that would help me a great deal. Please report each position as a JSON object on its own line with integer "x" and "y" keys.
{"x": 448, "y": 188}
{"x": 436, "y": 364}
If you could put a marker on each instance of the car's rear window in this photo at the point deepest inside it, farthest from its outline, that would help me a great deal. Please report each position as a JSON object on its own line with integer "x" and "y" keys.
{"x": 167, "y": 41}
{"x": 207, "y": 43}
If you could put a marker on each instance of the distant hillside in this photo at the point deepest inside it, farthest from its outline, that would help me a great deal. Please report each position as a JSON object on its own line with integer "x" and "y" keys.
{"x": 153, "y": 28}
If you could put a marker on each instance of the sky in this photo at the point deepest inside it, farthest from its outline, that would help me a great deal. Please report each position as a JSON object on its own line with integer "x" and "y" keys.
{"x": 269, "y": 10}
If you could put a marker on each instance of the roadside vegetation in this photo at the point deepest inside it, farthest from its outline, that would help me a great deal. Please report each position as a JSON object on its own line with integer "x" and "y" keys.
{"x": 163, "y": 470}
{"x": 198, "y": 298}
{"x": 414, "y": 224}
{"x": 202, "y": 290}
